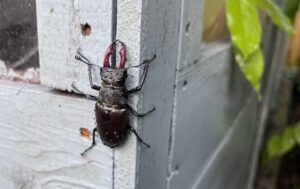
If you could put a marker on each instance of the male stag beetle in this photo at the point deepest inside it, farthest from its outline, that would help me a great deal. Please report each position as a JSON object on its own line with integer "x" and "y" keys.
{"x": 112, "y": 106}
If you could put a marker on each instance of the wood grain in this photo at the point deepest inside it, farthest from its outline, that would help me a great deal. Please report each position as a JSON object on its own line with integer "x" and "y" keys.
{"x": 40, "y": 142}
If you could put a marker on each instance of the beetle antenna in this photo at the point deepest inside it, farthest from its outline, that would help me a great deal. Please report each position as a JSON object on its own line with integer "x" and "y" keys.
{"x": 147, "y": 61}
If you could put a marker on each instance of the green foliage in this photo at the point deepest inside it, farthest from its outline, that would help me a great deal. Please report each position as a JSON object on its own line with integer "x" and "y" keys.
{"x": 246, "y": 31}
{"x": 276, "y": 14}
{"x": 297, "y": 133}
{"x": 244, "y": 25}
{"x": 273, "y": 148}
{"x": 287, "y": 141}
{"x": 291, "y": 7}
{"x": 252, "y": 67}
{"x": 280, "y": 144}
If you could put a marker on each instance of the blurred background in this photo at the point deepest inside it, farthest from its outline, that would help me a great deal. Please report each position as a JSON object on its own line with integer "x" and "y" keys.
{"x": 18, "y": 34}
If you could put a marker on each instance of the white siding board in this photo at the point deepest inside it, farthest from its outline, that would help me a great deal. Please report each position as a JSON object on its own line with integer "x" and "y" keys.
{"x": 191, "y": 32}
{"x": 206, "y": 107}
{"x": 41, "y": 144}
{"x": 228, "y": 167}
{"x": 59, "y": 36}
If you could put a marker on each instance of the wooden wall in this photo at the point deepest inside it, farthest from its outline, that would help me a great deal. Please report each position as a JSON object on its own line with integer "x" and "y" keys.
{"x": 207, "y": 124}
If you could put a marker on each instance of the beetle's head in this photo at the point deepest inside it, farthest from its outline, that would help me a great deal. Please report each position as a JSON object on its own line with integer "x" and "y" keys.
{"x": 111, "y": 76}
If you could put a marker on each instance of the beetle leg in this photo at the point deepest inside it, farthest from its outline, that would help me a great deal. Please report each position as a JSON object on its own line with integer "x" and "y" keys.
{"x": 93, "y": 143}
{"x": 85, "y": 60}
{"x": 132, "y": 110}
{"x": 93, "y": 85}
{"x": 138, "y": 137}
{"x": 90, "y": 97}
{"x": 139, "y": 87}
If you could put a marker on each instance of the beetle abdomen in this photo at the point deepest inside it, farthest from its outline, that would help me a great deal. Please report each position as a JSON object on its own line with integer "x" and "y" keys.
{"x": 112, "y": 124}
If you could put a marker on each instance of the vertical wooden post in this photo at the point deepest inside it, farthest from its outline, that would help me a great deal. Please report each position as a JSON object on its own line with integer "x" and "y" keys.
{"x": 153, "y": 27}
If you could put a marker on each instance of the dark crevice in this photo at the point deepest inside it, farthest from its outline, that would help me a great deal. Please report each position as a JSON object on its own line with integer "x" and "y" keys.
{"x": 113, "y": 64}
{"x": 114, "y": 31}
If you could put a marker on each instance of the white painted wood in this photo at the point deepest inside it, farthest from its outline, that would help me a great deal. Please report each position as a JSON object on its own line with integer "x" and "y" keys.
{"x": 59, "y": 36}
{"x": 40, "y": 143}
{"x": 159, "y": 33}
{"x": 228, "y": 167}
{"x": 209, "y": 95}
{"x": 198, "y": 93}
{"x": 128, "y": 31}
{"x": 190, "y": 32}
{"x": 215, "y": 89}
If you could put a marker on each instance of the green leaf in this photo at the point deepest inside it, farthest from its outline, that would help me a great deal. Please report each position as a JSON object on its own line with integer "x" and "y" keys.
{"x": 287, "y": 140}
{"x": 290, "y": 8}
{"x": 276, "y": 14}
{"x": 244, "y": 25}
{"x": 273, "y": 147}
{"x": 279, "y": 145}
{"x": 252, "y": 68}
{"x": 297, "y": 133}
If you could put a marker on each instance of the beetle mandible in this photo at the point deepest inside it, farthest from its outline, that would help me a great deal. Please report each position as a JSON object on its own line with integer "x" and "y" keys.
{"x": 112, "y": 107}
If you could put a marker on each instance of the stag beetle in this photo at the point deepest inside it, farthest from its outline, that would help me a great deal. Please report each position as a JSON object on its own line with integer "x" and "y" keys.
{"x": 111, "y": 109}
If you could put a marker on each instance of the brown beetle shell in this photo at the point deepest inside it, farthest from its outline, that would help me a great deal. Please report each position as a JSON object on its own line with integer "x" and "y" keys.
{"x": 112, "y": 124}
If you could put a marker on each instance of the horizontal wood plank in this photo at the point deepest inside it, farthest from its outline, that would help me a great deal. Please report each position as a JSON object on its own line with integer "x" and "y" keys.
{"x": 40, "y": 143}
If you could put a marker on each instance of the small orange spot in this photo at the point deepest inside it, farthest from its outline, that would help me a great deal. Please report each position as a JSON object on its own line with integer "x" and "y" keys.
{"x": 84, "y": 132}
{"x": 86, "y": 29}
